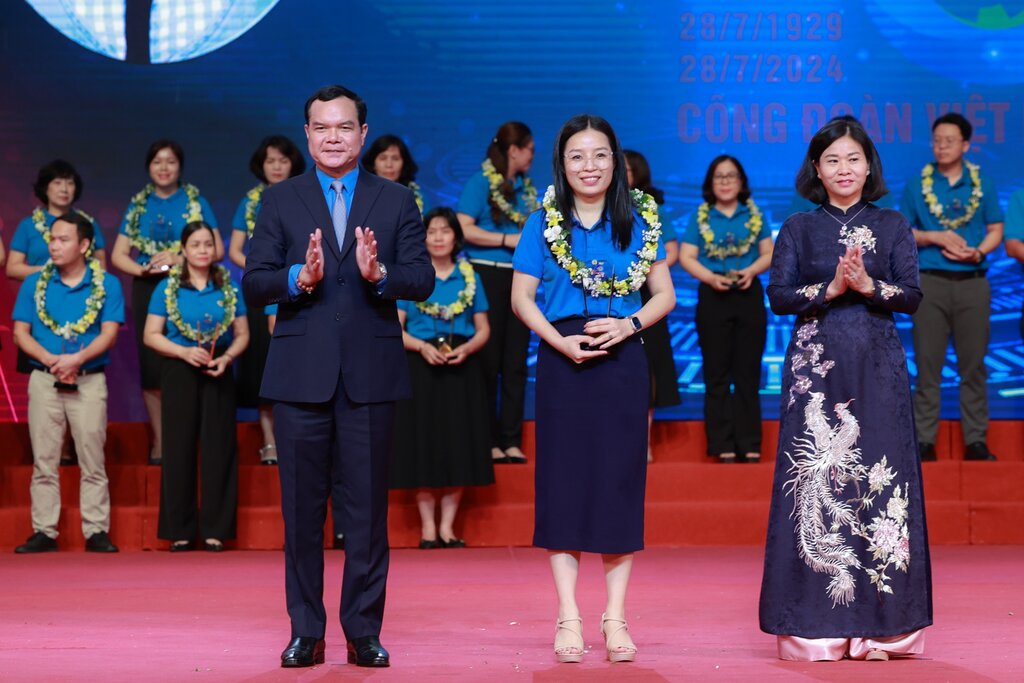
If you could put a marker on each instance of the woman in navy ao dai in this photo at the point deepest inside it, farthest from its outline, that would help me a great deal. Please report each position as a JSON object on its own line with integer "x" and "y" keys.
{"x": 847, "y": 570}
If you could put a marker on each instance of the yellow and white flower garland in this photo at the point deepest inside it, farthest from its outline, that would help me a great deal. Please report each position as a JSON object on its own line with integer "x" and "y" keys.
{"x": 39, "y": 221}
{"x": 148, "y": 246}
{"x": 936, "y": 209}
{"x": 417, "y": 194}
{"x": 229, "y": 303}
{"x": 252, "y": 207}
{"x": 93, "y": 303}
{"x": 557, "y": 236}
{"x": 495, "y": 179}
{"x": 463, "y": 301}
{"x": 719, "y": 251}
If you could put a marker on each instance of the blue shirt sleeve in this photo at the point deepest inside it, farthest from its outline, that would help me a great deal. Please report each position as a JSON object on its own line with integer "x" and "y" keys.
{"x": 530, "y": 253}
{"x": 270, "y": 309}
{"x": 20, "y": 240}
{"x": 99, "y": 241}
{"x": 990, "y": 210}
{"x": 113, "y": 305}
{"x": 404, "y": 305}
{"x": 238, "y": 222}
{"x": 473, "y": 201}
{"x": 692, "y": 234}
{"x": 908, "y": 205}
{"x": 208, "y": 214}
{"x": 240, "y": 308}
{"x": 1015, "y": 217}
{"x": 293, "y": 286}
{"x": 24, "y": 304}
{"x": 480, "y": 304}
{"x": 158, "y": 303}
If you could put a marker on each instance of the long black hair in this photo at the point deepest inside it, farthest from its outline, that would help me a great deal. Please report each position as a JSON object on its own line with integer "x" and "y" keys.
{"x": 618, "y": 205}
{"x": 186, "y": 232}
{"x": 509, "y": 133}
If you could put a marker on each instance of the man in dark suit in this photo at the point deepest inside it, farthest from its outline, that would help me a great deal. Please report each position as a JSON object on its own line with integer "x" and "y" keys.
{"x": 334, "y": 248}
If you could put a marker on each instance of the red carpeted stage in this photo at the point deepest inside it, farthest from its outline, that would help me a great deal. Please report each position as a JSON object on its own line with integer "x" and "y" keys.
{"x": 469, "y": 615}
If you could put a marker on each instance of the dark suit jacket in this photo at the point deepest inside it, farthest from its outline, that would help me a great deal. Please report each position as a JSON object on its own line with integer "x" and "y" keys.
{"x": 344, "y": 325}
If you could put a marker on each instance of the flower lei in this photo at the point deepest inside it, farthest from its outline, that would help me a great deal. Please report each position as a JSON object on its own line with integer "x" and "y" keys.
{"x": 529, "y": 197}
{"x": 463, "y": 301}
{"x": 718, "y": 251}
{"x": 148, "y": 246}
{"x": 229, "y": 303}
{"x": 417, "y": 194}
{"x": 252, "y": 203}
{"x": 927, "y": 185}
{"x": 93, "y": 303}
{"x": 39, "y": 221}
{"x": 593, "y": 281}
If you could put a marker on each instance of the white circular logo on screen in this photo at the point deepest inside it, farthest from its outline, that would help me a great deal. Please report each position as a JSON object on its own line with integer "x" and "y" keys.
{"x": 152, "y": 31}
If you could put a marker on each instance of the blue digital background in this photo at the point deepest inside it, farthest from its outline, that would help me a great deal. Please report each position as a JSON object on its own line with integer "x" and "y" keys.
{"x": 680, "y": 81}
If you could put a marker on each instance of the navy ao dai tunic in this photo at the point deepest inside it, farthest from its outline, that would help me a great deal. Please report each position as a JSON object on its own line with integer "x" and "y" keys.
{"x": 847, "y": 547}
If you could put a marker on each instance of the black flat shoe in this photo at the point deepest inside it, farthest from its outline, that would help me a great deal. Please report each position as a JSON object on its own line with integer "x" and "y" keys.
{"x": 430, "y": 545}
{"x": 515, "y": 458}
{"x": 453, "y": 543}
{"x": 99, "y": 542}
{"x": 37, "y": 543}
{"x": 339, "y": 542}
{"x": 181, "y": 546}
{"x": 367, "y": 651}
{"x": 214, "y": 546}
{"x": 927, "y": 451}
{"x": 979, "y": 451}
{"x": 303, "y": 651}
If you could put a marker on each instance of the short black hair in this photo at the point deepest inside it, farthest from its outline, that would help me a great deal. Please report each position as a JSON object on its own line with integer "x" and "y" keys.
{"x": 809, "y": 185}
{"x": 56, "y": 169}
{"x": 283, "y": 145}
{"x": 83, "y": 226}
{"x": 453, "y": 222}
{"x": 329, "y": 93}
{"x": 708, "y": 188}
{"x": 380, "y": 145}
{"x": 641, "y": 171}
{"x": 165, "y": 143}
{"x": 957, "y": 120}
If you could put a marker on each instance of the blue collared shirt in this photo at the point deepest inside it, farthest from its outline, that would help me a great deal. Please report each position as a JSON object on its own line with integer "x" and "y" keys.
{"x": 474, "y": 202}
{"x": 30, "y": 242}
{"x": 1014, "y": 229}
{"x": 563, "y": 299}
{"x": 723, "y": 226}
{"x": 67, "y": 304}
{"x": 164, "y": 219}
{"x": 954, "y": 199}
{"x": 446, "y": 291}
{"x": 198, "y": 308}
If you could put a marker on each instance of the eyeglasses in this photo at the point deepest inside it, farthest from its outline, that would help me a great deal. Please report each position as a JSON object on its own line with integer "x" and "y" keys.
{"x": 946, "y": 142}
{"x": 726, "y": 177}
{"x": 577, "y": 161}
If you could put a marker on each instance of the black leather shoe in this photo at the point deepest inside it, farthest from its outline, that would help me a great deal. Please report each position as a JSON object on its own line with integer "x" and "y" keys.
{"x": 181, "y": 546}
{"x": 99, "y": 542}
{"x": 430, "y": 545}
{"x": 453, "y": 543}
{"x": 367, "y": 651}
{"x": 303, "y": 651}
{"x": 339, "y": 542}
{"x": 927, "y": 451}
{"x": 37, "y": 543}
{"x": 979, "y": 451}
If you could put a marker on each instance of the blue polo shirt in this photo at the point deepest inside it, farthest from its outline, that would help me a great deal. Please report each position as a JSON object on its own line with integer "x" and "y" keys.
{"x": 164, "y": 219}
{"x": 668, "y": 231}
{"x": 474, "y": 202}
{"x": 1014, "y": 229}
{"x": 30, "y": 242}
{"x": 727, "y": 229}
{"x": 446, "y": 291}
{"x": 270, "y": 309}
{"x": 563, "y": 299}
{"x": 67, "y": 304}
{"x": 197, "y": 307}
{"x": 954, "y": 199}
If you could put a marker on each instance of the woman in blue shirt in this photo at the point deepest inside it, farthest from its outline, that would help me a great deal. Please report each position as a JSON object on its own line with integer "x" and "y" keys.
{"x": 442, "y": 443}
{"x": 149, "y": 229}
{"x": 276, "y": 159}
{"x": 492, "y": 209}
{"x": 594, "y": 245}
{"x": 657, "y": 340}
{"x": 197, "y": 321}
{"x": 389, "y": 157}
{"x": 726, "y": 246}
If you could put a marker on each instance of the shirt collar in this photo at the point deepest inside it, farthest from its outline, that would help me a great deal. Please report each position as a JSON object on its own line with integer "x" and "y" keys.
{"x": 741, "y": 209}
{"x": 348, "y": 180}
{"x": 85, "y": 282}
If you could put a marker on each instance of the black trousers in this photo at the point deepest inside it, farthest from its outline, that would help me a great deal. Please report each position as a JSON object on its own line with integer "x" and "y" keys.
{"x": 731, "y": 328}
{"x": 198, "y": 417}
{"x": 504, "y": 358}
{"x": 352, "y": 440}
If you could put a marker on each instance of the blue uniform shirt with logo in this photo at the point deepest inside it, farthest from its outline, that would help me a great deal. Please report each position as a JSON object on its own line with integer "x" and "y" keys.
{"x": 474, "y": 202}
{"x": 30, "y": 242}
{"x": 723, "y": 226}
{"x": 446, "y": 292}
{"x": 204, "y": 307}
{"x": 164, "y": 219}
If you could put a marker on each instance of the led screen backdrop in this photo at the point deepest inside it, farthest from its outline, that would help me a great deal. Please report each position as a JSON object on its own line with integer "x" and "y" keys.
{"x": 96, "y": 81}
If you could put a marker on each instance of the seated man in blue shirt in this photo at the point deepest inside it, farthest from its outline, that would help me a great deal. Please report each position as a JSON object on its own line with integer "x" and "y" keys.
{"x": 954, "y": 210}
{"x": 66, "y": 318}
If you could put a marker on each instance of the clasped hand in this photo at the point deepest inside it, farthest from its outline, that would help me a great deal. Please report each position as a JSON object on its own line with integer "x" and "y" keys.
{"x": 199, "y": 357}
{"x": 433, "y": 355}
{"x": 851, "y": 274}
{"x": 65, "y": 367}
{"x": 599, "y": 335}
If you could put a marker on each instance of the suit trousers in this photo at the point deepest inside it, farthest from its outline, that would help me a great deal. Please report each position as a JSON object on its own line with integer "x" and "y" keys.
{"x": 353, "y": 440}
{"x": 198, "y": 417}
{"x": 504, "y": 357}
{"x": 959, "y": 309}
{"x": 49, "y": 411}
{"x": 731, "y": 328}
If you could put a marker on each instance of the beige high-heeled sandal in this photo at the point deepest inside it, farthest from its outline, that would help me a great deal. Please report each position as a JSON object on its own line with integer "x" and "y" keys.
{"x": 569, "y": 654}
{"x": 618, "y": 643}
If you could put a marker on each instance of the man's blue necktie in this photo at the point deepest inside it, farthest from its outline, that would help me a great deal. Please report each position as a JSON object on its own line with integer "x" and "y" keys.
{"x": 339, "y": 212}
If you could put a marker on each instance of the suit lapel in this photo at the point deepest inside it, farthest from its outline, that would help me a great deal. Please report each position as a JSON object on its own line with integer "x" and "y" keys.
{"x": 367, "y": 189}
{"x": 312, "y": 195}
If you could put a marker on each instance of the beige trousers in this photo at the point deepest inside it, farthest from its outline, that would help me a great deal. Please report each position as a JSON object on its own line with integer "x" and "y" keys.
{"x": 85, "y": 410}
